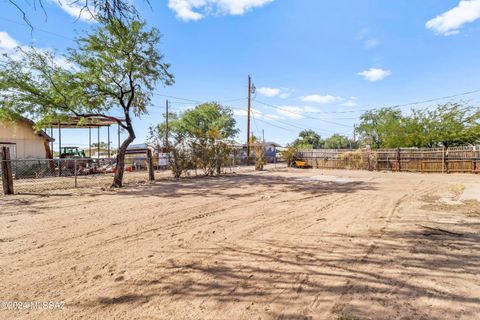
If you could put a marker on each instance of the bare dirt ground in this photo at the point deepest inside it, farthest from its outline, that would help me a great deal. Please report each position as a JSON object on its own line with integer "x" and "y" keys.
{"x": 288, "y": 244}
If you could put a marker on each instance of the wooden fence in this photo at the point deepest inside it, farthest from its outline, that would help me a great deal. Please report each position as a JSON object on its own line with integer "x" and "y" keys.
{"x": 457, "y": 159}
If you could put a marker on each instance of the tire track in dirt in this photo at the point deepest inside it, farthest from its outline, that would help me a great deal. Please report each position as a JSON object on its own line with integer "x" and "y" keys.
{"x": 349, "y": 286}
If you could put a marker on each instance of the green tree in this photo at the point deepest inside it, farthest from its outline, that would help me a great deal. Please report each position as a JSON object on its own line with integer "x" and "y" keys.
{"x": 157, "y": 133}
{"x": 447, "y": 125}
{"x": 289, "y": 154}
{"x": 308, "y": 139}
{"x": 100, "y": 10}
{"x": 337, "y": 141}
{"x": 381, "y": 128}
{"x": 207, "y": 128}
{"x": 453, "y": 124}
{"x": 114, "y": 67}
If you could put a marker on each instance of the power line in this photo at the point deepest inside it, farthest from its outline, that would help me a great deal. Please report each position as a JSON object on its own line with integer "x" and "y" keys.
{"x": 255, "y": 123}
{"x": 284, "y": 122}
{"x": 188, "y": 100}
{"x": 276, "y": 126}
{"x": 177, "y": 98}
{"x": 35, "y": 28}
{"x": 391, "y": 106}
{"x": 435, "y": 99}
{"x": 302, "y": 114}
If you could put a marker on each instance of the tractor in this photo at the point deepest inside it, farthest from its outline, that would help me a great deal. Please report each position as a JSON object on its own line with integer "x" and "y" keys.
{"x": 82, "y": 164}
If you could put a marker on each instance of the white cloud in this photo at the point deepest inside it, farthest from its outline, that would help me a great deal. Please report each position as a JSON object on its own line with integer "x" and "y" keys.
{"x": 283, "y": 93}
{"x": 291, "y": 112}
{"x": 371, "y": 43}
{"x": 271, "y": 117}
{"x": 375, "y": 74}
{"x": 76, "y": 9}
{"x": 195, "y": 10}
{"x": 9, "y": 45}
{"x": 256, "y": 114}
{"x": 240, "y": 112}
{"x": 449, "y": 23}
{"x": 309, "y": 109}
{"x": 351, "y": 102}
{"x": 296, "y": 112}
{"x": 7, "y": 42}
{"x": 317, "y": 98}
{"x": 268, "y": 92}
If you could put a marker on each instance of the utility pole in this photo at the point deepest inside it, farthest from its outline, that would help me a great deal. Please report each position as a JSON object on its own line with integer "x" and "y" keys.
{"x": 166, "y": 124}
{"x": 263, "y": 136}
{"x": 248, "y": 121}
{"x": 354, "y": 133}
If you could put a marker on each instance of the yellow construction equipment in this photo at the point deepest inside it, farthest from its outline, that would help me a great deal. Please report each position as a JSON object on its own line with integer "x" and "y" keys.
{"x": 301, "y": 164}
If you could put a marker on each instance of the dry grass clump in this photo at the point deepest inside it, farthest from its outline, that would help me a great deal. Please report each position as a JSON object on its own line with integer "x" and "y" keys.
{"x": 456, "y": 189}
{"x": 357, "y": 160}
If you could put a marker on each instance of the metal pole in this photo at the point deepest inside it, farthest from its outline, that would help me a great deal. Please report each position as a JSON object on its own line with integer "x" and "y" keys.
{"x": 75, "y": 168}
{"x": 108, "y": 141}
{"x": 51, "y": 143}
{"x": 98, "y": 141}
{"x": 59, "y": 149}
{"x": 89, "y": 142}
{"x": 59, "y": 140}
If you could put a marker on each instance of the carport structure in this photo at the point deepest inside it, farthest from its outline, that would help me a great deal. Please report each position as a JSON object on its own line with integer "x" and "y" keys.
{"x": 76, "y": 122}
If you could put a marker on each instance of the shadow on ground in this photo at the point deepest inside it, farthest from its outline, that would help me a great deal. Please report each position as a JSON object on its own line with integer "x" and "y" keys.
{"x": 229, "y": 186}
{"x": 396, "y": 279}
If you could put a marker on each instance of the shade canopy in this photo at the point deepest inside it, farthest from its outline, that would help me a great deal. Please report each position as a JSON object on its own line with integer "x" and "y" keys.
{"x": 80, "y": 122}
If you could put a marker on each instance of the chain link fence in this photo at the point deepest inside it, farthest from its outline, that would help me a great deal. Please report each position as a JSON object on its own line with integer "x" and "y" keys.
{"x": 39, "y": 175}
{"x": 36, "y": 175}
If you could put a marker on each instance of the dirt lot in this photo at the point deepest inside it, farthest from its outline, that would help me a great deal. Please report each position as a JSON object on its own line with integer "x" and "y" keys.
{"x": 289, "y": 244}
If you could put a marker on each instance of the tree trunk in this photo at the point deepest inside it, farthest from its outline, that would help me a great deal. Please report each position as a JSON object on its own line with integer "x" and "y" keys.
{"x": 118, "y": 178}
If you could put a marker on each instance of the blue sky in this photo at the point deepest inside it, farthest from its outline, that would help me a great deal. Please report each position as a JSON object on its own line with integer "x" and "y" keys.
{"x": 315, "y": 63}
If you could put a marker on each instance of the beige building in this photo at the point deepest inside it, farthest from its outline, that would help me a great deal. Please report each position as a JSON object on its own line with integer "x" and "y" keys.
{"x": 23, "y": 141}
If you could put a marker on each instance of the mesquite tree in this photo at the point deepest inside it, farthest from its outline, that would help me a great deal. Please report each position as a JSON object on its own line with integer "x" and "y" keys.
{"x": 100, "y": 10}
{"x": 114, "y": 68}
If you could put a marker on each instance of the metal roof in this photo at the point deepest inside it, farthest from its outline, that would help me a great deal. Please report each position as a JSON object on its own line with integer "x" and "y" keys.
{"x": 80, "y": 122}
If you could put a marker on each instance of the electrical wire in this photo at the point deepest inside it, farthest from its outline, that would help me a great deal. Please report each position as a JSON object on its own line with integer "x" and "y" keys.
{"x": 302, "y": 114}
{"x": 391, "y": 106}
{"x": 276, "y": 126}
{"x": 35, "y": 28}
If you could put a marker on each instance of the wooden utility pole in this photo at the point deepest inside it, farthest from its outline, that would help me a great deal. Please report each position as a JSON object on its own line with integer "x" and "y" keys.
{"x": 166, "y": 124}
{"x": 6, "y": 169}
{"x": 248, "y": 121}
{"x": 151, "y": 172}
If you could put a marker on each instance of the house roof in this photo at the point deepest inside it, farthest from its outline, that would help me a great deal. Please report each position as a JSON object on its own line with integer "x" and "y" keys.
{"x": 268, "y": 143}
{"x": 40, "y": 133}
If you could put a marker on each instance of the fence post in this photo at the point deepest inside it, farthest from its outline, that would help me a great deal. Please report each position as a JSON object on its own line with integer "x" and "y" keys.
{"x": 445, "y": 158}
{"x": 75, "y": 169}
{"x": 398, "y": 160}
{"x": 151, "y": 173}
{"x": 7, "y": 174}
